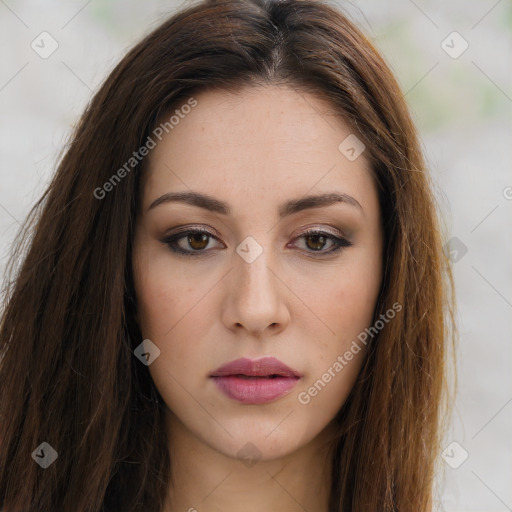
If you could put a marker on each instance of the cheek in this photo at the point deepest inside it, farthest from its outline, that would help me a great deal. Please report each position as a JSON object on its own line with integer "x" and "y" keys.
{"x": 156, "y": 305}
{"x": 344, "y": 299}
{"x": 166, "y": 297}
{"x": 176, "y": 313}
{"x": 352, "y": 304}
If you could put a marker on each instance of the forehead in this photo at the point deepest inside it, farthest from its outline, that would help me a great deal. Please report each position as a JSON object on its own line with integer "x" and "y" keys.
{"x": 256, "y": 143}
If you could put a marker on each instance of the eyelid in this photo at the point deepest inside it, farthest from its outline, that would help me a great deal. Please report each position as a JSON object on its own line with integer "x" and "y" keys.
{"x": 193, "y": 227}
{"x": 322, "y": 228}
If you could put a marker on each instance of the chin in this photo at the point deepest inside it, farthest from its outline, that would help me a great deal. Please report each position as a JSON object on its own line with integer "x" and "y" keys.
{"x": 263, "y": 441}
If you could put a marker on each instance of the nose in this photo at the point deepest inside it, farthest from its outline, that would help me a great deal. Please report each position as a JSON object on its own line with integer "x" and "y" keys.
{"x": 257, "y": 298}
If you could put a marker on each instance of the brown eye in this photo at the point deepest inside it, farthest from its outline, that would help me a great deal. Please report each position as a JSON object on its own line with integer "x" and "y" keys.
{"x": 192, "y": 242}
{"x": 317, "y": 242}
{"x": 198, "y": 241}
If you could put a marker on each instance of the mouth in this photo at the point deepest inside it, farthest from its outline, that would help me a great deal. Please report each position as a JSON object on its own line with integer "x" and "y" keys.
{"x": 242, "y": 376}
{"x": 254, "y": 382}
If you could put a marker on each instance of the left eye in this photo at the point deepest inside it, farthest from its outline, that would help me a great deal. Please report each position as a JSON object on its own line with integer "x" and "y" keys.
{"x": 316, "y": 241}
{"x": 198, "y": 240}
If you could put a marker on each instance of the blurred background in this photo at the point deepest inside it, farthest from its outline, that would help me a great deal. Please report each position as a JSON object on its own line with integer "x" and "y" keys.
{"x": 454, "y": 63}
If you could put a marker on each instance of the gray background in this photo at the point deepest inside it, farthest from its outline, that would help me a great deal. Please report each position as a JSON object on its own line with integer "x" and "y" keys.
{"x": 462, "y": 107}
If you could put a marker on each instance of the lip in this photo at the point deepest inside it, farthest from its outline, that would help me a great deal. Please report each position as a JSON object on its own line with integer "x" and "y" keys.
{"x": 255, "y": 381}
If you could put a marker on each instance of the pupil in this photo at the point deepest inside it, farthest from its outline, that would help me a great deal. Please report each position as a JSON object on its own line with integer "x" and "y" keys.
{"x": 320, "y": 241}
{"x": 203, "y": 241}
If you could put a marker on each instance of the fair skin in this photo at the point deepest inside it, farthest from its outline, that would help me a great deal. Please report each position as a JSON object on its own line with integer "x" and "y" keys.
{"x": 296, "y": 301}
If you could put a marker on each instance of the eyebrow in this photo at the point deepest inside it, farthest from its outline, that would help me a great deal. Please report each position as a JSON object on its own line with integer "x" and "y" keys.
{"x": 289, "y": 208}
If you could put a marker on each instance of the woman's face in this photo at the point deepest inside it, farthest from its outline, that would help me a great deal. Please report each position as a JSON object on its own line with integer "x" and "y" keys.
{"x": 278, "y": 274}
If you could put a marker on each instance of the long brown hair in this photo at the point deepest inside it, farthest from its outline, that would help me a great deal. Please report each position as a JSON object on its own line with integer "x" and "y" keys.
{"x": 68, "y": 375}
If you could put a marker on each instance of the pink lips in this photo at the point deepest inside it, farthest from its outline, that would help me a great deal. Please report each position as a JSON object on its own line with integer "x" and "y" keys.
{"x": 255, "y": 381}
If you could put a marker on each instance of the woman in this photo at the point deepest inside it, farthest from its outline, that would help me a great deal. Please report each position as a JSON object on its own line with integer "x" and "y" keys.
{"x": 233, "y": 294}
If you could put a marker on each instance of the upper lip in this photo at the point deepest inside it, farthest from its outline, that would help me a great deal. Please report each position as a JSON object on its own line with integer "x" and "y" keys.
{"x": 263, "y": 367}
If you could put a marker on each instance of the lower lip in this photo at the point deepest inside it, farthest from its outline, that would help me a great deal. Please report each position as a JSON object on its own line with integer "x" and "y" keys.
{"x": 257, "y": 390}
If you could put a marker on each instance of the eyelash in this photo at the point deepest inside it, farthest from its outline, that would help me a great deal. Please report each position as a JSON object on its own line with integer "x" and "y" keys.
{"x": 171, "y": 241}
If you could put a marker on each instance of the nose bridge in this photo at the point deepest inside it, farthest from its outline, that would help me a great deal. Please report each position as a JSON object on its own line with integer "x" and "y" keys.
{"x": 254, "y": 278}
{"x": 256, "y": 299}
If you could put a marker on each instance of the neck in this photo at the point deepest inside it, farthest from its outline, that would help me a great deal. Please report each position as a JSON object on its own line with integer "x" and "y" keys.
{"x": 205, "y": 480}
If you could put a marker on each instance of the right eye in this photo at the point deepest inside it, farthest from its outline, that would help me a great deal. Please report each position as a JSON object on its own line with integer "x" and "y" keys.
{"x": 195, "y": 239}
